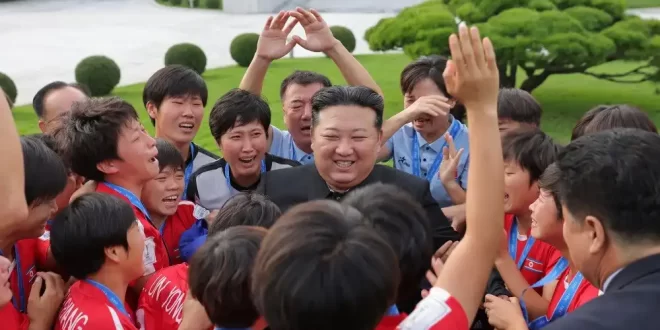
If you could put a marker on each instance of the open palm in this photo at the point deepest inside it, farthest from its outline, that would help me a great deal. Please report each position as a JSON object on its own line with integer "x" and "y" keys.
{"x": 273, "y": 43}
{"x": 319, "y": 37}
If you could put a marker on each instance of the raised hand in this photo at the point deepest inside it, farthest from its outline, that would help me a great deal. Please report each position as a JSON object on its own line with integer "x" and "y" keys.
{"x": 432, "y": 105}
{"x": 273, "y": 43}
{"x": 450, "y": 159}
{"x": 319, "y": 36}
{"x": 471, "y": 75}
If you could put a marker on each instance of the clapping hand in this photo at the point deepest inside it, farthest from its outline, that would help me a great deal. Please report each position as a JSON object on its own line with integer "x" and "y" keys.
{"x": 450, "y": 159}
{"x": 273, "y": 43}
{"x": 319, "y": 36}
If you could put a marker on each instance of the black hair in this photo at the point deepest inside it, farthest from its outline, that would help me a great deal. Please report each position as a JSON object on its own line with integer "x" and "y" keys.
{"x": 168, "y": 156}
{"x": 549, "y": 182}
{"x": 245, "y": 209}
{"x": 532, "y": 149}
{"x": 40, "y": 97}
{"x": 320, "y": 268}
{"x": 45, "y": 173}
{"x": 236, "y": 108}
{"x": 173, "y": 81}
{"x": 614, "y": 176}
{"x": 219, "y": 276}
{"x": 518, "y": 105}
{"x": 90, "y": 224}
{"x": 620, "y": 116}
{"x": 348, "y": 95}
{"x": 90, "y": 133}
{"x": 304, "y": 78}
{"x": 429, "y": 67}
{"x": 404, "y": 224}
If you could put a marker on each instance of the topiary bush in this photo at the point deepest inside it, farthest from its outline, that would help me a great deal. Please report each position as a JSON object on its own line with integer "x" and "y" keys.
{"x": 188, "y": 55}
{"x": 99, "y": 73}
{"x": 345, "y": 36}
{"x": 176, "y": 3}
{"x": 213, "y": 4}
{"x": 243, "y": 48}
{"x": 9, "y": 87}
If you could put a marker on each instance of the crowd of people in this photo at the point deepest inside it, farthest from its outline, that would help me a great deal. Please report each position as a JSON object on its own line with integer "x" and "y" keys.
{"x": 483, "y": 221}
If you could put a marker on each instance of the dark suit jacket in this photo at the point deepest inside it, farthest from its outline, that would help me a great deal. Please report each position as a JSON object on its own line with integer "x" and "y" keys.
{"x": 292, "y": 186}
{"x": 631, "y": 301}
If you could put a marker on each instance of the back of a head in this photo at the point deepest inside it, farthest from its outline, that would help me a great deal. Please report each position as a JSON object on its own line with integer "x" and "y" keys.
{"x": 519, "y": 106}
{"x": 620, "y": 116}
{"x": 81, "y": 233}
{"x": 245, "y": 209}
{"x": 44, "y": 170}
{"x": 40, "y": 97}
{"x": 304, "y": 78}
{"x": 530, "y": 148}
{"x": 219, "y": 276}
{"x": 90, "y": 132}
{"x": 614, "y": 175}
{"x": 404, "y": 224}
{"x": 348, "y": 96}
{"x": 320, "y": 268}
{"x": 238, "y": 107}
{"x": 173, "y": 81}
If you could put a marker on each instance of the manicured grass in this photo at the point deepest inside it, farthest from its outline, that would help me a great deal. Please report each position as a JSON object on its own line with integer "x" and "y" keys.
{"x": 186, "y": 4}
{"x": 643, "y": 3}
{"x": 565, "y": 98}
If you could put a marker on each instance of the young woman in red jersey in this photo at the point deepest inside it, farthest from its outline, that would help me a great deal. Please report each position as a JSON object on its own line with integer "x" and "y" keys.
{"x": 571, "y": 290}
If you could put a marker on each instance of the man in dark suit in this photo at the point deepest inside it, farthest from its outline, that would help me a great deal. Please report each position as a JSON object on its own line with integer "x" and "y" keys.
{"x": 346, "y": 137}
{"x": 610, "y": 194}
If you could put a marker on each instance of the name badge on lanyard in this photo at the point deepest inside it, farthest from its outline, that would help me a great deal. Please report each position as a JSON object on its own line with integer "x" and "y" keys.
{"x": 187, "y": 174}
{"x": 21, "y": 302}
{"x": 228, "y": 175}
{"x": 414, "y": 152}
{"x": 111, "y": 296}
{"x": 513, "y": 245}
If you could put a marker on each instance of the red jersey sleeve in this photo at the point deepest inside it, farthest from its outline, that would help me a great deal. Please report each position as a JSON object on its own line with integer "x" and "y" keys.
{"x": 12, "y": 318}
{"x": 438, "y": 311}
{"x": 161, "y": 301}
{"x": 586, "y": 294}
{"x": 175, "y": 225}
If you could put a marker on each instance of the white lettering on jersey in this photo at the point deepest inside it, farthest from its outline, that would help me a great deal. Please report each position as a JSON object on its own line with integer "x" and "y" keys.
{"x": 71, "y": 318}
{"x": 157, "y": 287}
{"x": 173, "y": 305}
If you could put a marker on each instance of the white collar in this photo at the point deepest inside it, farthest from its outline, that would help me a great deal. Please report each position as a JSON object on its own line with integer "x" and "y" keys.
{"x": 610, "y": 278}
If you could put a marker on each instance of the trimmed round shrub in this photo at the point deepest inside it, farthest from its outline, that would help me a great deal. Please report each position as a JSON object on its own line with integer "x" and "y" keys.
{"x": 99, "y": 74}
{"x": 9, "y": 87}
{"x": 187, "y": 54}
{"x": 213, "y": 4}
{"x": 345, "y": 36}
{"x": 176, "y": 3}
{"x": 243, "y": 48}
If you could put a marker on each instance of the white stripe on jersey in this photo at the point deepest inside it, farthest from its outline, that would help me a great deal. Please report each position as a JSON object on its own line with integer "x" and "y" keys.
{"x": 115, "y": 318}
{"x": 429, "y": 312}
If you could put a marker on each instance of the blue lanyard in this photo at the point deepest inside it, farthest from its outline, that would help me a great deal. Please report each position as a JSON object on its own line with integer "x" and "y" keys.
{"x": 416, "y": 163}
{"x": 392, "y": 311}
{"x": 228, "y": 176}
{"x": 112, "y": 297}
{"x": 187, "y": 174}
{"x": 292, "y": 150}
{"x": 131, "y": 198}
{"x": 513, "y": 244}
{"x": 21, "y": 304}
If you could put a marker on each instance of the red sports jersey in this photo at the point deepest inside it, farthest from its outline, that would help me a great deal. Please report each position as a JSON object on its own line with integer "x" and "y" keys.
{"x": 29, "y": 254}
{"x": 13, "y": 319}
{"x": 162, "y": 298}
{"x": 391, "y": 322}
{"x": 540, "y": 260}
{"x": 585, "y": 292}
{"x": 155, "y": 254}
{"x": 438, "y": 311}
{"x": 87, "y": 308}
{"x": 174, "y": 226}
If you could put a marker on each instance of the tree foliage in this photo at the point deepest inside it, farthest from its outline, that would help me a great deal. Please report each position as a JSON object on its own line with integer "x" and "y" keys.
{"x": 539, "y": 37}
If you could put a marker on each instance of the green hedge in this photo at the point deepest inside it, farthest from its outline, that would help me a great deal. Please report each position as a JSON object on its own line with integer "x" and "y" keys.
{"x": 243, "y": 48}
{"x": 99, "y": 74}
{"x": 9, "y": 87}
{"x": 345, "y": 36}
{"x": 188, "y": 55}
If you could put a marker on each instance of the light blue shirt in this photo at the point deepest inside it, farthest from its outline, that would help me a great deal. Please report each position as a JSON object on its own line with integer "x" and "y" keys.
{"x": 283, "y": 146}
{"x": 400, "y": 147}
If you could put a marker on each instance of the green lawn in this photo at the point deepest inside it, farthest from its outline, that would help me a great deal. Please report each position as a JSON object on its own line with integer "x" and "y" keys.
{"x": 643, "y": 3}
{"x": 565, "y": 98}
{"x": 186, "y": 4}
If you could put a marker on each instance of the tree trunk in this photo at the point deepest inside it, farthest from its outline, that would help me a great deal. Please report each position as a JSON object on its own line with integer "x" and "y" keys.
{"x": 507, "y": 75}
{"x": 532, "y": 82}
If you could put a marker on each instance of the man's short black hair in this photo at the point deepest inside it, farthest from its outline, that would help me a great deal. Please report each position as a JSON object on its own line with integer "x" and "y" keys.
{"x": 173, "y": 81}
{"x": 45, "y": 173}
{"x": 90, "y": 224}
{"x": 519, "y": 106}
{"x": 236, "y": 108}
{"x": 530, "y": 148}
{"x": 549, "y": 182}
{"x": 614, "y": 175}
{"x": 428, "y": 67}
{"x": 404, "y": 224}
{"x": 245, "y": 209}
{"x": 304, "y": 78}
{"x": 168, "y": 156}
{"x": 220, "y": 275}
{"x": 91, "y": 133}
{"x": 348, "y": 95}
{"x": 38, "y": 100}
{"x": 320, "y": 268}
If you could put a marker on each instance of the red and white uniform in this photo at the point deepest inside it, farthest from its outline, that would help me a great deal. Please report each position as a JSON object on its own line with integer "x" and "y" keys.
{"x": 584, "y": 294}
{"x": 174, "y": 226}
{"x": 161, "y": 302}
{"x": 438, "y": 311}
{"x": 539, "y": 261}
{"x": 87, "y": 308}
{"x": 391, "y": 322}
